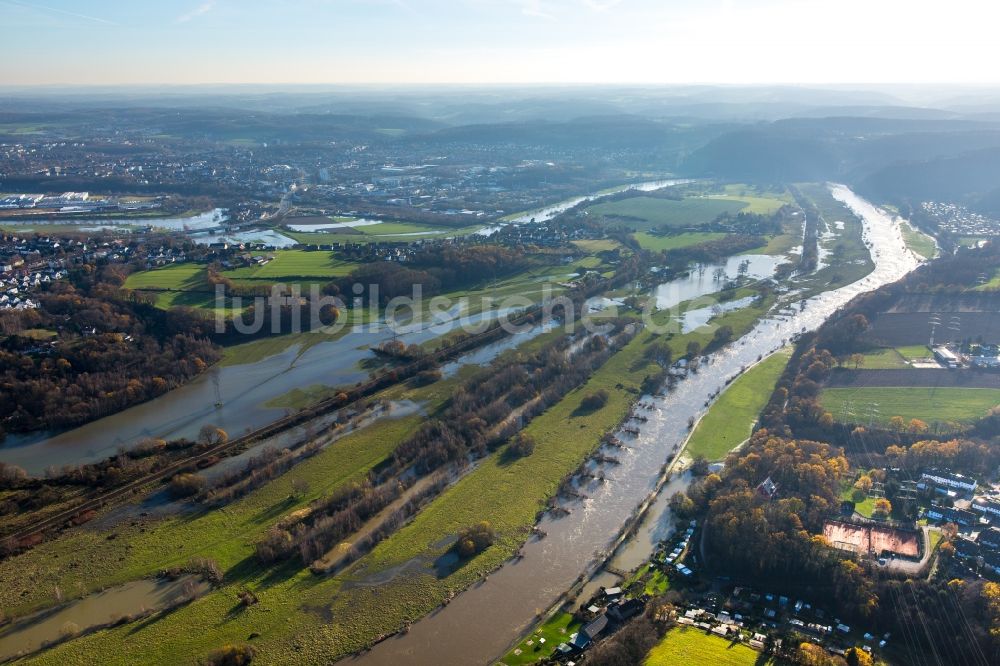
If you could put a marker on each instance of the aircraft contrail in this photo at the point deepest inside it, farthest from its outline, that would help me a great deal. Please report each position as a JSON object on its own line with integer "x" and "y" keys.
{"x": 59, "y": 11}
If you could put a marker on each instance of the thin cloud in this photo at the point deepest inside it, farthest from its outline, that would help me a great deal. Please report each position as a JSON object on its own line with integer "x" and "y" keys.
{"x": 601, "y": 5}
{"x": 54, "y": 10}
{"x": 535, "y": 8}
{"x": 200, "y": 10}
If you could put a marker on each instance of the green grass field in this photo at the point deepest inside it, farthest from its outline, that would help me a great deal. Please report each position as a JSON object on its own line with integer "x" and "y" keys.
{"x": 291, "y": 265}
{"x": 753, "y": 204}
{"x": 648, "y": 241}
{"x": 646, "y": 213}
{"x": 188, "y": 280}
{"x": 882, "y": 359}
{"x": 959, "y": 405}
{"x": 729, "y": 421}
{"x": 304, "y": 618}
{"x": 865, "y": 506}
{"x": 175, "y": 276}
{"x": 688, "y": 646}
{"x": 914, "y": 352}
{"x": 919, "y": 243}
{"x": 384, "y": 231}
{"x": 892, "y": 359}
{"x": 555, "y": 630}
{"x": 595, "y": 246}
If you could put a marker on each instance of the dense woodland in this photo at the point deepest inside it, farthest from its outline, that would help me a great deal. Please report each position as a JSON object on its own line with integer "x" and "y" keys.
{"x": 436, "y": 269}
{"x": 108, "y": 354}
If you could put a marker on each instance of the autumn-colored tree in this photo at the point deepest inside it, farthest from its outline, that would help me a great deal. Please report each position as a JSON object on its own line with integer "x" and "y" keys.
{"x": 917, "y": 426}
{"x": 475, "y": 539}
{"x": 897, "y": 423}
{"x": 810, "y": 654}
{"x": 209, "y": 435}
{"x": 858, "y": 657}
{"x": 883, "y": 508}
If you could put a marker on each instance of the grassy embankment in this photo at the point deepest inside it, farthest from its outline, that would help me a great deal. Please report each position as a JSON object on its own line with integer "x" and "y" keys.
{"x": 929, "y": 404}
{"x": 919, "y": 243}
{"x": 688, "y": 646}
{"x": 296, "y": 610}
{"x": 730, "y": 419}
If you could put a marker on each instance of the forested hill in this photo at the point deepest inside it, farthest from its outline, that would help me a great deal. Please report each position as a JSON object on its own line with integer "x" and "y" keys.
{"x": 888, "y": 159}
{"x": 969, "y": 178}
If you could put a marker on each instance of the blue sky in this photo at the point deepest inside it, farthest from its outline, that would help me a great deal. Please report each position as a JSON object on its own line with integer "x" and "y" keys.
{"x": 496, "y": 41}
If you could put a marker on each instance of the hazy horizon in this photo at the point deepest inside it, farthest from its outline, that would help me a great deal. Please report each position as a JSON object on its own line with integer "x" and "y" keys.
{"x": 495, "y": 42}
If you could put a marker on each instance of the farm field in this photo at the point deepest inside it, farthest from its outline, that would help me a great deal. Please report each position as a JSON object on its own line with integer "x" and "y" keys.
{"x": 687, "y": 646}
{"x": 646, "y": 213}
{"x": 595, "y": 246}
{"x": 648, "y": 241}
{"x": 187, "y": 283}
{"x": 929, "y": 404}
{"x": 731, "y": 417}
{"x": 291, "y": 265}
{"x": 175, "y": 276}
{"x": 753, "y": 204}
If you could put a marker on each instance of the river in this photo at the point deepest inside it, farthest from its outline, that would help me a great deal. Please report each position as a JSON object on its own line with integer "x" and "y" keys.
{"x": 235, "y": 397}
{"x": 482, "y": 622}
{"x": 548, "y": 212}
{"x": 135, "y": 599}
{"x": 244, "y": 389}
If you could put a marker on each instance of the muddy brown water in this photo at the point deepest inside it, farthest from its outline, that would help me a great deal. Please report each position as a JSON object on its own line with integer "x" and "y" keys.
{"x": 480, "y": 624}
{"x": 33, "y": 632}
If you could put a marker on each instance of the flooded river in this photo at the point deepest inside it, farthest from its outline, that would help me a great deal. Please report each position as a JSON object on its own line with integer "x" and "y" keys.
{"x": 549, "y": 212}
{"x": 243, "y": 390}
{"x": 31, "y": 633}
{"x": 481, "y": 623}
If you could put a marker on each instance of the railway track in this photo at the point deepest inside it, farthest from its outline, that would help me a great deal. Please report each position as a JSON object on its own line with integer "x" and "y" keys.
{"x": 98, "y": 499}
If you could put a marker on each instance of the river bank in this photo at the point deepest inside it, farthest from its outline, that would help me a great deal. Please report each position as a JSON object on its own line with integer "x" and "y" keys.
{"x": 508, "y": 603}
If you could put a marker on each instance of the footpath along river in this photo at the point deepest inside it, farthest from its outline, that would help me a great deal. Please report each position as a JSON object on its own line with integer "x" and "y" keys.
{"x": 482, "y": 622}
